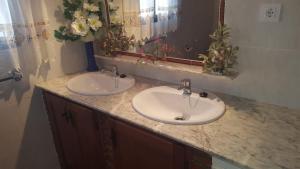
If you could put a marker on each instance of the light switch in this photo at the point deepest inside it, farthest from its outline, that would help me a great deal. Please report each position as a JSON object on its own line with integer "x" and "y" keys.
{"x": 270, "y": 12}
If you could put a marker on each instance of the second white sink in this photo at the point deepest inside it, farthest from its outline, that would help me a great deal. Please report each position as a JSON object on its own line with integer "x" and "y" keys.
{"x": 167, "y": 104}
{"x": 98, "y": 83}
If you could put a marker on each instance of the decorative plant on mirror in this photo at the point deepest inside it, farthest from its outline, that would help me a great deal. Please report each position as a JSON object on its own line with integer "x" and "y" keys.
{"x": 85, "y": 22}
{"x": 116, "y": 39}
{"x": 222, "y": 56}
{"x": 153, "y": 49}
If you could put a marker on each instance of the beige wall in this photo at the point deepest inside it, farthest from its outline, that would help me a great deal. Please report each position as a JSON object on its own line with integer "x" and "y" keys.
{"x": 270, "y": 52}
{"x": 25, "y": 137}
{"x": 269, "y": 59}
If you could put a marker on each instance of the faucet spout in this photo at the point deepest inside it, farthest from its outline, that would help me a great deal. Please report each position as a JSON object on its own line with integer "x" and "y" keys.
{"x": 115, "y": 73}
{"x": 113, "y": 69}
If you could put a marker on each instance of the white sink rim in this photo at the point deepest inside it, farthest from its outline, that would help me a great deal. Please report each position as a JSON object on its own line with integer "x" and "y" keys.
{"x": 171, "y": 120}
{"x": 124, "y": 84}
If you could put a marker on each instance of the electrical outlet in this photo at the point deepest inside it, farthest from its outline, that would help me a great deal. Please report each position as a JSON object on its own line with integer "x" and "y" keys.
{"x": 270, "y": 12}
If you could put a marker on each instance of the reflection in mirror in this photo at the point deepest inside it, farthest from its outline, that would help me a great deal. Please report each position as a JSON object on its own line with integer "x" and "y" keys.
{"x": 168, "y": 28}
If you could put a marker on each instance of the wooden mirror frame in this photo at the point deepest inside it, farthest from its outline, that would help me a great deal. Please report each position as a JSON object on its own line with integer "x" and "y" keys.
{"x": 168, "y": 59}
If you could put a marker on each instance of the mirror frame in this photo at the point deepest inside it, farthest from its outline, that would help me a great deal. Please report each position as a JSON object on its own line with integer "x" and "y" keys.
{"x": 168, "y": 59}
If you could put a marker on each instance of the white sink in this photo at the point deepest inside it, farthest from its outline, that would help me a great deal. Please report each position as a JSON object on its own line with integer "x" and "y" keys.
{"x": 168, "y": 105}
{"x": 98, "y": 83}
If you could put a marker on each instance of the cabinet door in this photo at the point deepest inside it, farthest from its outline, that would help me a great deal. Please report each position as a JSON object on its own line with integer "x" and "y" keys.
{"x": 76, "y": 134}
{"x": 85, "y": 123}
{"x": 65, "y": 136}
{"x": 136, "y": 148}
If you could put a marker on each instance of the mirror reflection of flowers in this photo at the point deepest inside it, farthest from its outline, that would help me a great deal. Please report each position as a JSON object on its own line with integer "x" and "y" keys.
{"x": 85, "y": 20}
{"x": 115, "y": 19}
{"x": 156, "y": 47}
{"x": 116, "y": 38}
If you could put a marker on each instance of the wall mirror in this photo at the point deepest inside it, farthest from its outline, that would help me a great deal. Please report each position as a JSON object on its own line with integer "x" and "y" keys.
{"x": 173, "y": 30}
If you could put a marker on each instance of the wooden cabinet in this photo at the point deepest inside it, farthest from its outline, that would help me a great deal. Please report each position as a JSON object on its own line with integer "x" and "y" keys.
{"x": 135, "y": 148}
{"x": 76, "y": 135}
{"x": 86, "y": 139}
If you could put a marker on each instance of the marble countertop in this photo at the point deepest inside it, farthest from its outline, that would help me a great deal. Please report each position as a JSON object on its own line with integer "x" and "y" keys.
{"x": 250, "y": 134}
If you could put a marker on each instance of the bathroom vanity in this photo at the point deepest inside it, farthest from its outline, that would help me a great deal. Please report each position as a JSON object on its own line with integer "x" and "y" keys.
{"x": 90, "y": 139}
{"x": 106, "y": 132}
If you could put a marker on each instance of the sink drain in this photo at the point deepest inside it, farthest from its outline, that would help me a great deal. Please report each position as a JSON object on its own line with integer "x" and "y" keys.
{"x": 180, "y": 118}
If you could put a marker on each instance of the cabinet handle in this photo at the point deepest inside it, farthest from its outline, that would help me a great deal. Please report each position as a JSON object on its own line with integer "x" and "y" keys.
{"x": 96, "y": 117}
{"x": 69, "y": 117}
{"x": 66, "y": 116}
{"x": 113, "y": 138}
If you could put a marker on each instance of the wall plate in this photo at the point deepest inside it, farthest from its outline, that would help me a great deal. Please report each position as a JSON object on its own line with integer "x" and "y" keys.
{"x": 270, "y": 12}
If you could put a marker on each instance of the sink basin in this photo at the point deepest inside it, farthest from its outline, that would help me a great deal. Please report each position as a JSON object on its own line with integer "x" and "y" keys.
{"x": 98, "y": 83}
{"x": 168, "y": 105}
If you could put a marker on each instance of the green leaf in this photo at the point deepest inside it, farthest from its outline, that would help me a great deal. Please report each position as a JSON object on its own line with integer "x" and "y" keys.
{"x": 63, "y": 35}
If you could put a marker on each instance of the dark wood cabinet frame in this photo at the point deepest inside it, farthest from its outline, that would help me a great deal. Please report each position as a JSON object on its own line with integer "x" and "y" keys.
{"x": 168, "y": 59}
{"x": 112, "y": 131}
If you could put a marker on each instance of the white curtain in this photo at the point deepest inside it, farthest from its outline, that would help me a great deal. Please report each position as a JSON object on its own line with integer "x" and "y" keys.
{"x": 130, "y": 12}
{"x": 149, "y": 18}
{"x": 161, "y": 18}
{"x": 23, "y": 33}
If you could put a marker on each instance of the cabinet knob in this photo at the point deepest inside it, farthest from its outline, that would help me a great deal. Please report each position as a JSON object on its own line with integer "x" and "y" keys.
{"x": 69, "y": 117}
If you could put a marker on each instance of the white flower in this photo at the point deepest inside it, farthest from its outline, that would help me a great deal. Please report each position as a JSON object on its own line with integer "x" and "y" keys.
{"x": 80, "y": 27}
{"x": 112, "y": 6}
{"x": 94, "y": 22}
{"x": 115, "y": 19}
{"x": 91, "y": 7}
{"x": 79, "y": 14}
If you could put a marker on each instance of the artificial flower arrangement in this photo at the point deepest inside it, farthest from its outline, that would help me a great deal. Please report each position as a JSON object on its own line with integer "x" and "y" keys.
{"x": 222, "y": 56}
{"x": 85, "y": 20}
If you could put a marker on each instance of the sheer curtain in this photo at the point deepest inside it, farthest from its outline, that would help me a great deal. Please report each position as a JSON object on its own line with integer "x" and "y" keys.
{"x": 150, "y": 18}
{"x": 5, "y": 24}
{"x": 23, "y": 32}
{"x": 131, "y": 12}
{"x": 159, "y": 17}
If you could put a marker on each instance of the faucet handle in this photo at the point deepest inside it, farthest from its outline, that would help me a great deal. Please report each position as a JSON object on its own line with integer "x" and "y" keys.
{"x": 186, "y": 85}
{"x": 186, "y": 82}
{"x": 112, "y": 68}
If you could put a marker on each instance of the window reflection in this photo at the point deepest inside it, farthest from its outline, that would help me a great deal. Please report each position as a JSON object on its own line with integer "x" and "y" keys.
{"x": 158, "y": 17}
{"x": 146, "y": 8}
{"x": 5, "y": 17}
{"x": 182, "y": 27}
{"x": 5, "y": 21}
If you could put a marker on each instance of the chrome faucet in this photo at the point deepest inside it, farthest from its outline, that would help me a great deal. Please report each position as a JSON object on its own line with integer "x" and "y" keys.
{"x": 186, "y": 86}
{"x": 113, "y": 69}
{"x": 115, "y": 73}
